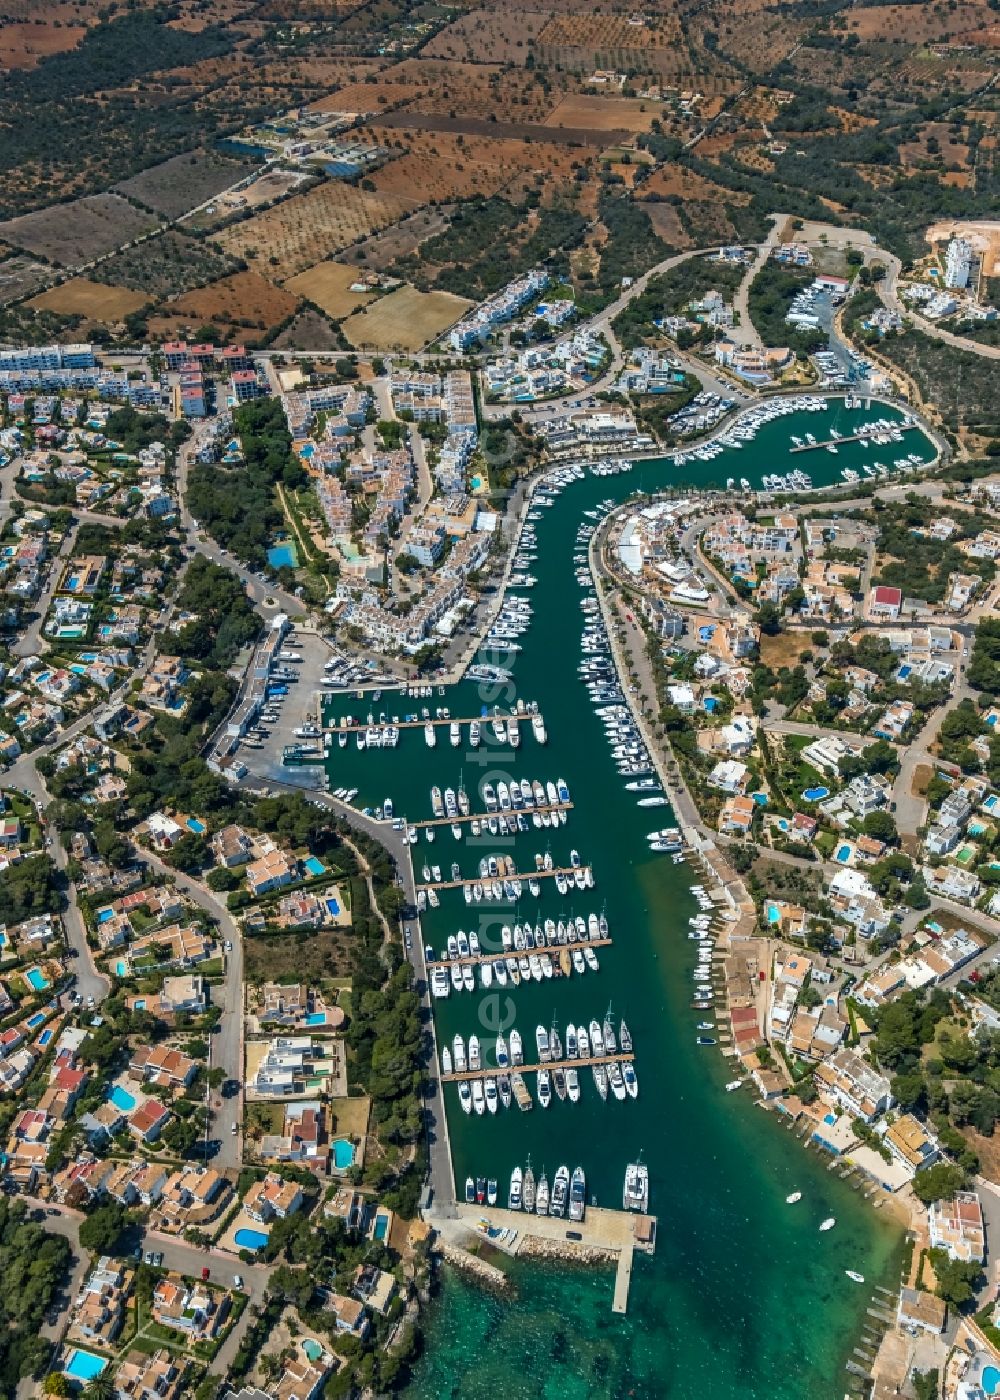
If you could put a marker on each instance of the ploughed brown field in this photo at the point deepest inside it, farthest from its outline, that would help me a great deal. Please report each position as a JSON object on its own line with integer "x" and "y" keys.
{"x": 95, "y": 300}
{"x": 405, "y": 319}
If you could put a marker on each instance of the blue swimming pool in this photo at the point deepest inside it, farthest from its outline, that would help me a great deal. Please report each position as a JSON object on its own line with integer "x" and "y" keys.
{"x": 816, "y": 794}
{"x": 121, "y": 968}
{"x": 193, "y": 824}
{"x": 773, "y": 914}
{"x": 333, "y": 907}
{"x": 934, "y": 926}
{"x": 760, "y": 798}
{"x": 343, "y": 1154}
{"x": 283, "y": 556}
{"x": 37, "y": 979}
{"x": 783, "y": 823}
{"x": 381, "y": 1225}
{"x": 991, "y": 1380}
{"x": 84, "y": 1365}
{"x": 711, "y": 704}
{"x": 121, "y": 1098}
{"x": 36, "y": 1020}
{"x": 250, "y": 1239}
{"x": 45, "y": 1037}
{"x": 307, "y": 450}
{"x": 843, "y": 854}
{"x": 103, "y": 915}
{"x": 316, "y": 1018}
{"x": 314, "y": 866}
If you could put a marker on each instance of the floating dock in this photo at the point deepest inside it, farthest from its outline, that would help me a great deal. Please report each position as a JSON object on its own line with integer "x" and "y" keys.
{"x": 524, "y": 876}
{"x": 856, "y": 437}
{"x": 621, "y": 1057}
{"x": 485, "y": 723}
{"x": 473, "y": 959}
{"x": 515, "y": 812}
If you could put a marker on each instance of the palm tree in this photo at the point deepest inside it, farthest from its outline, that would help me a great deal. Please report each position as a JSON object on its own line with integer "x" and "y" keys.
{"x": 102, "y": 1387}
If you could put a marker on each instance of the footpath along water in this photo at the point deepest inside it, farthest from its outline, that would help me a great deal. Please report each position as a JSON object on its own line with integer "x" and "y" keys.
{"x": 744, "y": 1297}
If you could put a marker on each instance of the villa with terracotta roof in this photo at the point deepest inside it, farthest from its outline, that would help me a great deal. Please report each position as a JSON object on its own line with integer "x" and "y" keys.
{"x": 956, "y": 1226}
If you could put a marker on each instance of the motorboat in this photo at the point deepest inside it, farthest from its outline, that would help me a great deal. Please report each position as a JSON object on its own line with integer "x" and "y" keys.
{"x": 791, "y": 1199}
{"x": 635, "y": 1193}
{"x": 560, "y": 1192}
{"x": 577, "y": 1194}
{"x": 514, "y": 1194}
{"x": 854, "y": 1275}
{"x": 828, "y": 1223}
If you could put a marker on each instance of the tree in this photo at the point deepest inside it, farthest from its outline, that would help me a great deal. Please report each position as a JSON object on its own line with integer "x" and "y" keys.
{"x": 879, "y": 825}
{"x": 55, "y": 1383}
{"x": 956, "y": 1280}
{"x": 937, "y": 1182}
{"x": 909, "y": 1090}
{"x": 102, "y": 1387}
{"x": 102, "y": 1229}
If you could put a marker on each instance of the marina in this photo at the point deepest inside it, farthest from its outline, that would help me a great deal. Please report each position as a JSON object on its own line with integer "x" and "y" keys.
{"x": 566, "y": 872}
{"x": 469, "y": 1074}
{"x": 352, "y": 726}
{"x": 461, "y": 819}
{"x": 474, "y": 960}
{"x": 718, "y": 1169}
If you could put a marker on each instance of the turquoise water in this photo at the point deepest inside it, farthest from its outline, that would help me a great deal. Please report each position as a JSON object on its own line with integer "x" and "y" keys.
{"x": 250, "y": 1239}
{"x": 991, "y": 1380}
{"x": 343, "y": 1153}
{"x": 816, "y": 794}
{"x": 311, "y": 1348}
{"x": 744, "y": 1296}
{"x": 37, "y": 979}
{"x": 122, "y": 1099}
{"x": 84, "y": 1365}
{"x": 283, "y": 555}
{"x": 314, "y": 866}
{"x": 381, "y": 1226}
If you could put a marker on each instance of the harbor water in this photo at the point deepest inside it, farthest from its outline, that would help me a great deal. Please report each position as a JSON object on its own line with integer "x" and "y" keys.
{"x": 744, "y": 1296}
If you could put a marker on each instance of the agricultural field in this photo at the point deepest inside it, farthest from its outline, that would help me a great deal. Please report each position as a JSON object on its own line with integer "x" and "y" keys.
{"x": 184, "y": 182}
{"x": 166, "y": 265}
{"x": 490, "y": 35}
{"x": 328, "y": 286}
{"x": 309, "y": 227}
{"x": 25, "y": 43}
{"x": 440, "y": 166}
{"x": 598, "y": 113}
{"x": 399, "y": 241}
{"x": 19, "y": 276}
{"x": 433, "y": 85}
{"x": 405, "y": 320}
{"x": 244, "y": 305}
{"x": 269, "y": 188}
{"x": 667, "y": 225}
{"x": 309, "y": 331}
{"x": 678, "y": 182}
{"x": 94, "y": 300}
{"x": 921, "y": 24}
{"x": 69, "y": 234}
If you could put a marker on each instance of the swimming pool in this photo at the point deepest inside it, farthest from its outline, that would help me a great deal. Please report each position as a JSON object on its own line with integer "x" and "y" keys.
{"x": 773, "y": 914}
{"x": 783, "y": 823}
{"x": 250, "y": 1239}
{"x": 121, "y": 1098}
{"x": 312, "y": 1348}
{"x": 283, "y": 556}
{"x": 991, "y": 1380}
{"x": 84, "y": 1365}
{"x": 37, "y": 979}
{"x": 711, "y": 704}
{"x": 816, "y": 794}
{"x": 381, "y": 1225}
{"x": 45, "y": 1037}
{"x": 829, "y": 1119}
{"x": 307, "y": 450}
{"x": 314, "y": 866}
{"x": 121, "y": 968}
{"x": 193, "y": 824}
{"x": 760, "y": 798}
{"x": 103, "y": 915}
{"x": 316, "y": 1018}
{"x": 139, "y": 1004}
{"x": 36, "y": 1020}
{"x": 934, "y": 926}
{"x": 343, "y": 1155}
{"x": 333, "y": 907}
{"x": 843, "y": 854}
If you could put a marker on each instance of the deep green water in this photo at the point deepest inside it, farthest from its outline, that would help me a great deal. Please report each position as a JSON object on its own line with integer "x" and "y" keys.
{"x": 744, "y": 1296}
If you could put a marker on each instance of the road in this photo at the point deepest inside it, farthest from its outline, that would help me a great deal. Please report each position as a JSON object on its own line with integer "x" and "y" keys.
{"x": 178, "y": 1256}
{"x": 887, "y": 289}
{"x": 743, "y": 330}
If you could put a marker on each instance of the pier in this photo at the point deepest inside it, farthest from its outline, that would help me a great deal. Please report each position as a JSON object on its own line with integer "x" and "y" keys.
{"x": 568, "y": 870}
{"x": 485, "y": 723}
{"x": 872, "y": 437}
{"x": 621, "y": 1057}
{"x": 602, "y": 1235}
{"x": 484, "y": 817}
{"x": 473, "y": 959}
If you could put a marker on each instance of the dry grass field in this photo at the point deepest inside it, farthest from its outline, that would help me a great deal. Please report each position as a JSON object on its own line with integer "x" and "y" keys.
{"x": 26, "y": 44}
{"x": 599, "y": 113}
{"x": 308, "y": 227}
{"x": 443, "y": 165}
{"x": 184, "y": 181}
{"x": 94, "y": 300}
{"x": 308, "y": 331}
{"x": 383, "y": 249}
{"x": 490, "y": 35}
{"x": 242, "y": 296}
{"x": 68, "y": 234}
{"x": 667, "y": 225}
{"x": 328, "y": 286}
{"x": 919, "y": 24}
{"x": 404, "y": 320}
{"x": 19, "y": 276}
{"x": 436, "y": 85}
{"x": 675, "y": 180}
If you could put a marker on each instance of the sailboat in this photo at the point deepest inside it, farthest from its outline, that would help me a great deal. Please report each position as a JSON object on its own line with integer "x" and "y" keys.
{"x": 528, "y": 1188}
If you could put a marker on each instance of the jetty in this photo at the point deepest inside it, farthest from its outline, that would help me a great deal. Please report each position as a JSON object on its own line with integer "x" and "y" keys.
{"x": 568, "y": 870}
{"x": 454, "y": 1077}
{"x": 502, "y": 954}
{"x": 484, "y": 817}
{"x": 485, "y": 723}
{"x": 602, "y": 1236}
{"x": 878, "y": 436}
